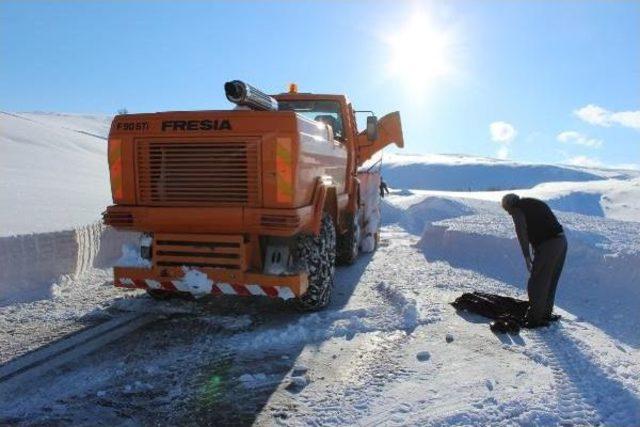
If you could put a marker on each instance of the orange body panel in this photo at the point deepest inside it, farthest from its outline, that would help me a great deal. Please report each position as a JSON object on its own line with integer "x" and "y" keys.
{"x": 194, "y": 177}
{"x": 389, "y": 132}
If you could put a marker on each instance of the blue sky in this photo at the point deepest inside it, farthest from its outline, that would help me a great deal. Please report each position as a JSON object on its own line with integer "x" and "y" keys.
{"x": 560, "y": 81}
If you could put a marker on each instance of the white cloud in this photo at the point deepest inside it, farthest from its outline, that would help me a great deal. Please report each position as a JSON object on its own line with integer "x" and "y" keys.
{"x": 584, "y": 161}
{"x": 630, "y": 119}
{"x": 574, "y": 137}
{"x": 502, "y": 132}
{"x": 599, "y": 116}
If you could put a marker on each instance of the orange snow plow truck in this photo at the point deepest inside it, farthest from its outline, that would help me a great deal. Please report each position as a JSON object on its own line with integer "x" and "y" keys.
{"x": 262, "y": 199}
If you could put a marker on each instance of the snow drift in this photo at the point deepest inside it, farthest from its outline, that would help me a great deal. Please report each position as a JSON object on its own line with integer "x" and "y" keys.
{"x": 53, "y": 169}
{"x": 599, "y": 282}
{"x": 31, "y": 263}
{"x": 467, "y": 173}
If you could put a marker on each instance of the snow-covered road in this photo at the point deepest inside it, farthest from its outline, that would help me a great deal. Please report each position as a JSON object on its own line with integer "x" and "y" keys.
{"x": 378, "y": 356}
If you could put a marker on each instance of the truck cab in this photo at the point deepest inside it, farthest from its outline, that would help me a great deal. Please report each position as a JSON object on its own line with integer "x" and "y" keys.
{"x": 257, "y": 200}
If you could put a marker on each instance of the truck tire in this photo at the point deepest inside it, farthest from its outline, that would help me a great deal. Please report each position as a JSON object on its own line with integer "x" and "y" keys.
{"x": 317, "y": 256}
{"x": 349, "y": 242}
{"x": 159, "y": 294}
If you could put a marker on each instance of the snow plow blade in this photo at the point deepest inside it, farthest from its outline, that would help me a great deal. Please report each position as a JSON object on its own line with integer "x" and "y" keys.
{"x": 217, "y": 282}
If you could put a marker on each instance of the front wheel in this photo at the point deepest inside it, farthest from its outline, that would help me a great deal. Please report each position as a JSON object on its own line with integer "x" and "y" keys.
{"x": 349, "y": 242}
{"x": 317, "y": 256}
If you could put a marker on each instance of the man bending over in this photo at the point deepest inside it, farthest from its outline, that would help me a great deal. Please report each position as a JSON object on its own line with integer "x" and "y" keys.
{"x": 537, "y": 226}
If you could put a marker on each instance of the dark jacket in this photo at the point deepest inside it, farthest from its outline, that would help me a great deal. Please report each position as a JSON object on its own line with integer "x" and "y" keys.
{"x": 535, "y": 223}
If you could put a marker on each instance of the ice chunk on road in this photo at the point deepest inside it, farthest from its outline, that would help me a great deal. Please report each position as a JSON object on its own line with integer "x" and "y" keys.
{"x": 194, "y": 282}
{"x": 299, "y": 370}
{"x": 423, "y": 356}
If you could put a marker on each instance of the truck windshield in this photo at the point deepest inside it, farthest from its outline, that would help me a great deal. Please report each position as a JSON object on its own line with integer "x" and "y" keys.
{"x": 322, "y": 111}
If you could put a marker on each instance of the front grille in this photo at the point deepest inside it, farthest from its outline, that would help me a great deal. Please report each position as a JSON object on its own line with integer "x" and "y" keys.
{"x": 198, "y": 250}
{"x": 197, "y": 172}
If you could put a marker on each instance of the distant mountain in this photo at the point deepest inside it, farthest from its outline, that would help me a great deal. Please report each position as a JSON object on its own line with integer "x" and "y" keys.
{"x": 469, "y": 173}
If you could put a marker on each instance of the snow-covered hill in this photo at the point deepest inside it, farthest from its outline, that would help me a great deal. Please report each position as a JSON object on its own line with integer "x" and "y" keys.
{"x": 53, "y": 171}
{"x": 468, "y": 173}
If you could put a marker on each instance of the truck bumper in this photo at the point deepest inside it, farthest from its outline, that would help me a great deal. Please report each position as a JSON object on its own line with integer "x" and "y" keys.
{"x": 204, "y": 281}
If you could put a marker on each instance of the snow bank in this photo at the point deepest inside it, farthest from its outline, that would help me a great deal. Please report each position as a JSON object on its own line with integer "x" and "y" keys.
{"x": 31, "y": 263}
{"x": 611, "y": 198}
{"x": 416, "y": 217}
{"x": 601, "y": 275}
{"x": 468, "y": 173}
{"x": 53, "y": 171}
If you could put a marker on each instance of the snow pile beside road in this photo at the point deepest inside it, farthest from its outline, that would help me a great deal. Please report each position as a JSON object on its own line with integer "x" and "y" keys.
{"x": 54, "y": 184}
{"x": 600, "y": 279}
{"x": 414, "y": 213}
{"x": 53, "y": 171}
{"x": 31, "y": 263}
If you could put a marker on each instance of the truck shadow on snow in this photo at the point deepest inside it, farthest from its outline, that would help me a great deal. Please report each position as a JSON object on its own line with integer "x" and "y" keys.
{"x": 242, "y": 371}
{"x": 211, "y": 361}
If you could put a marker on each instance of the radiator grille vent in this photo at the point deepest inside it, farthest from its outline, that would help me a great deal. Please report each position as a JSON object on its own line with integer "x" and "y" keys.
{"x": 197, "y": 172}
{"x": 199, "y": 250}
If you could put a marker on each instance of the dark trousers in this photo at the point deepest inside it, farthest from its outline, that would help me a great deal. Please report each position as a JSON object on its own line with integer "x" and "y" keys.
{"x": 548, "y": 261}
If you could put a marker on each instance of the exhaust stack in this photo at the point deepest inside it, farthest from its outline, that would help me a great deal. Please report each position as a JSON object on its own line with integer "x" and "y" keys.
{"x": 245, "y": 95}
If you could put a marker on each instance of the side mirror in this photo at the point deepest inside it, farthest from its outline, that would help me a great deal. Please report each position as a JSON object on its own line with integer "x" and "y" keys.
{"x": 372, "y": 128}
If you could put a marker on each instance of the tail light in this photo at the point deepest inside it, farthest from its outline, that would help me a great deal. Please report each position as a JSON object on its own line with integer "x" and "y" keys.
{"x": 115, "y": 169}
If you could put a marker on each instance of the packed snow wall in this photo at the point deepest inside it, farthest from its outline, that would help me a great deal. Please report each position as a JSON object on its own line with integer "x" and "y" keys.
{"x": 600, "y": 282}
{"x": 30, "y": 263}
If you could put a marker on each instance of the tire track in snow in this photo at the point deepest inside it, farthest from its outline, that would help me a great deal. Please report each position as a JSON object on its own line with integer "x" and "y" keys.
{"x": 585, "y": 395}
{"x": 374, "y": 366}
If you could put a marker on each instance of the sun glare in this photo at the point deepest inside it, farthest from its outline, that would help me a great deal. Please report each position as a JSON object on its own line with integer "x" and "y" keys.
{"x": 420, "y": 53}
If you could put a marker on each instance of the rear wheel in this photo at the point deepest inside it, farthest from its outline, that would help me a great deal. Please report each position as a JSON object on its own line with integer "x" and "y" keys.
{"x": 160, "y": 295}
{"x": 317, "y": 256}
{"x": 349, "y": 242}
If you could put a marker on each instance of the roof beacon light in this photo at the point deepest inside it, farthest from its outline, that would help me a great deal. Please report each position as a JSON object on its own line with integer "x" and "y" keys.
{"x": 293, "y": 88}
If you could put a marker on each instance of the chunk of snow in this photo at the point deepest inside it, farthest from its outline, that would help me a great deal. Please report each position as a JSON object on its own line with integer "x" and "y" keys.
{"x": 489, "y": 384}
{"x": 296, "y": 384}
{"x": 423, "y": 356}
{"x": 299, "y": 370}
{"x": 194, "y": 282}
{"x": 131, "y": 257}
